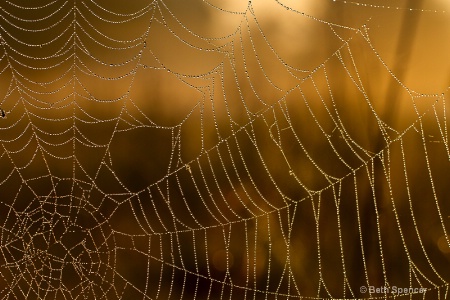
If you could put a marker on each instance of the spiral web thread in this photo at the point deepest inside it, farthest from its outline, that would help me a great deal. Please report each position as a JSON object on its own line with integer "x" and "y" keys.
{"x": 171, "y": 150}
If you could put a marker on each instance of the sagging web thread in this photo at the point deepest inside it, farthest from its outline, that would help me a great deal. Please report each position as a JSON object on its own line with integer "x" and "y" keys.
{"x": 146, "y": 157}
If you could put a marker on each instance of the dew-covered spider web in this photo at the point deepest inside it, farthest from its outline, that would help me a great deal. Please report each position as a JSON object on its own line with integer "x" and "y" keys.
{"x": 264, "y": 149}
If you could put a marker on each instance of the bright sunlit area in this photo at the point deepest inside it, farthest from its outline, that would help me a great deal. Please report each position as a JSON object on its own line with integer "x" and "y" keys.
{"x": 209, "y": 149}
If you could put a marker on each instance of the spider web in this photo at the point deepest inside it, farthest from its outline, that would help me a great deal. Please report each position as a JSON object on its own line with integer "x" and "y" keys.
{"x": 223, "y": 150}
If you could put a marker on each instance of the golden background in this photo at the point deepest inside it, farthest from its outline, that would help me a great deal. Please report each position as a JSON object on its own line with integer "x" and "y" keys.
{"x": 223, "y": 149}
